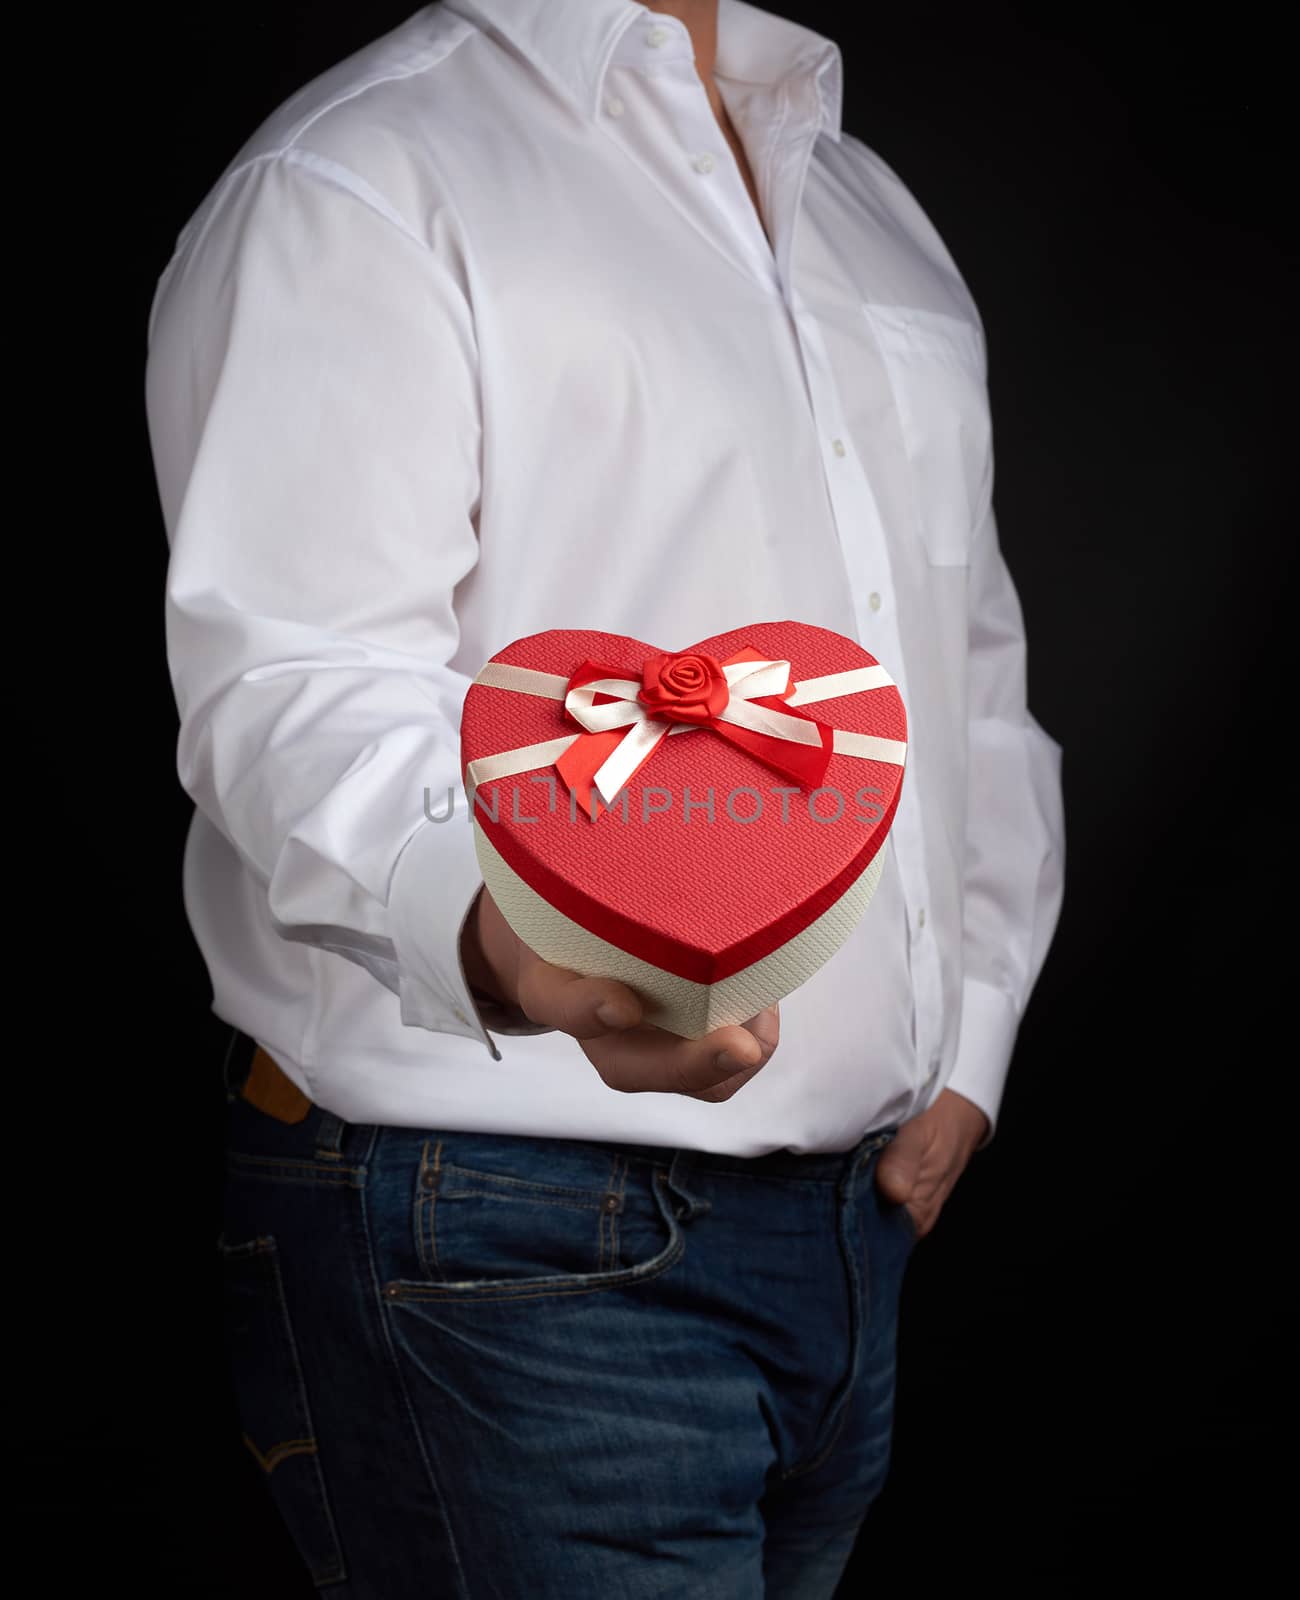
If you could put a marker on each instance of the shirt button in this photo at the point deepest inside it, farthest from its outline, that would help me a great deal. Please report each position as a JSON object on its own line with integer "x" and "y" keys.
{"x": 703, "y": 163}
{"x": 920, "y": 918}
{"x": 873, "y": 600}
{"x": 459, "y": 1015}
{"x": 656, "y": 37}
{"x": 838, "y": 446}
{"x": 614, "y": 106}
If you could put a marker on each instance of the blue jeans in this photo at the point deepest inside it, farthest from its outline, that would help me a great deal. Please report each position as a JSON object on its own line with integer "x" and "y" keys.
{"x": 490, "y": 1367}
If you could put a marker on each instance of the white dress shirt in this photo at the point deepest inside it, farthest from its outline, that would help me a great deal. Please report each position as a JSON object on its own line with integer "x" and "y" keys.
{"x": 479, "y": 334}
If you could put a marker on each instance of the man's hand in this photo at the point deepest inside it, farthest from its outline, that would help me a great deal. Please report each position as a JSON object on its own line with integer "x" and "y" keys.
{"x": 604, "y": 1016}
{"x": 927, "y": 1155}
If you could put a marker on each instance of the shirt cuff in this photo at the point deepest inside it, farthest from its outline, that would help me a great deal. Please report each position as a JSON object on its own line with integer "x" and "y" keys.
{"x": 433, "y": 886}
{"x": 432, "y": 891}
{"x": 989, "y": 1022}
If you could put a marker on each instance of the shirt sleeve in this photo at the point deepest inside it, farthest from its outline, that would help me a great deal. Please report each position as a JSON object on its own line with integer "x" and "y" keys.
{"x": 312, "y": 403}
{"x": 1015, "y": 836}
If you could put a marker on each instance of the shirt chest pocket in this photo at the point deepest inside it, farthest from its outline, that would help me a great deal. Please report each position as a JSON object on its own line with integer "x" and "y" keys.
{"x": 937, "y": 373}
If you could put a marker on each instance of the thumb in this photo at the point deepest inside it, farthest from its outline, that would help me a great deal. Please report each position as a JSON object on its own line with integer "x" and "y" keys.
{"x": 897, "y": 1172}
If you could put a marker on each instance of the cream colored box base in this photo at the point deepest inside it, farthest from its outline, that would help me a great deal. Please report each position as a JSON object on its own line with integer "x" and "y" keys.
{"x": 678, "y": 1004}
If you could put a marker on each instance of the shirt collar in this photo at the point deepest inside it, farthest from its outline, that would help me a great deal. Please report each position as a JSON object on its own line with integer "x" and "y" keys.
{"x": 571, "y": 42}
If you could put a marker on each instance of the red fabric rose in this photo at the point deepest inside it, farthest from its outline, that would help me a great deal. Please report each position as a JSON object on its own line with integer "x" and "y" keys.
{"x": 684, "y": 688}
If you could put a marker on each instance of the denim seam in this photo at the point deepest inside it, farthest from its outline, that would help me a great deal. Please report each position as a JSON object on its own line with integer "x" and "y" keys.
{"x": 433, "y": 1206}
{"x": 607, "y": 1254}
{"x": 616, "y": 1216}
{"x": 409, "y": 1289}
{"x": 386, "y": 1334}
{"x": 337, "y": 1570}
{"x": 281, "y": 1452}
{"x": 613, "y": 1280}
{"x": 423, "y": 1292}
{"x": 269, "y": 1171}
{"x": 297, "y": 1162}
{"x": 846, "y": 1230}
{"x": 592, "y": 1198}
{"x": 426, "y": 1210}
{"x": 549, "y": 1203}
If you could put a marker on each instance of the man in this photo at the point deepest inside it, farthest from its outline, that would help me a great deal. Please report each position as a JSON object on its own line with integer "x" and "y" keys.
{"x": 583, "y": 314}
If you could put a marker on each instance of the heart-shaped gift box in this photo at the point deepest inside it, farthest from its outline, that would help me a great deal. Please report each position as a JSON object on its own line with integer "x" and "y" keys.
{"x": 712, "y": 871}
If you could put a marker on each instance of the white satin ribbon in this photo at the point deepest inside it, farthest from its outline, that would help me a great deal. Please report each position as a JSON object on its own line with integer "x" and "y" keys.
{"x": 747, "y": 681}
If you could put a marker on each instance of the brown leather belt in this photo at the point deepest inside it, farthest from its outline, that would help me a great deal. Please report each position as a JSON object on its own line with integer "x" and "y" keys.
{"x": 270, "y": 1089}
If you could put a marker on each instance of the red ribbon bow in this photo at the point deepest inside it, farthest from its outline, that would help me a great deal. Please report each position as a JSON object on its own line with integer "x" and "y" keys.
{"x": 687, "y": 687}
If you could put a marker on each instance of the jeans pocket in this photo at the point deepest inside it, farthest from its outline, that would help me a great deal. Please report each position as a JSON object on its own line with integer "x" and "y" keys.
{"x": 272, "y": 1400}
{"x": 498, "y": 1218}
{"x": 908, "y": 1221}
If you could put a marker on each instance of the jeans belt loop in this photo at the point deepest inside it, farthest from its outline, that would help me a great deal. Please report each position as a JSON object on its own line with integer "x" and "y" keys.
{"x": 692, "y": 1206}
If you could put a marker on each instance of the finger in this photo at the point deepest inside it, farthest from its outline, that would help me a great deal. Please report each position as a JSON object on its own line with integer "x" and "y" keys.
{"x": 906, "y": 1164}
{"x": 729, "y": 1086}
{"x": 584, "y": 1007}
{"x": 766, "y": 1028}
{"x": 652, "y": 1059}
{"x": 898, "y": 1170}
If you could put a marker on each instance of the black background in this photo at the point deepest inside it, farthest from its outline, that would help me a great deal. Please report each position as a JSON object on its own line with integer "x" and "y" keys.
{"x": 1087, "y": 1377}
